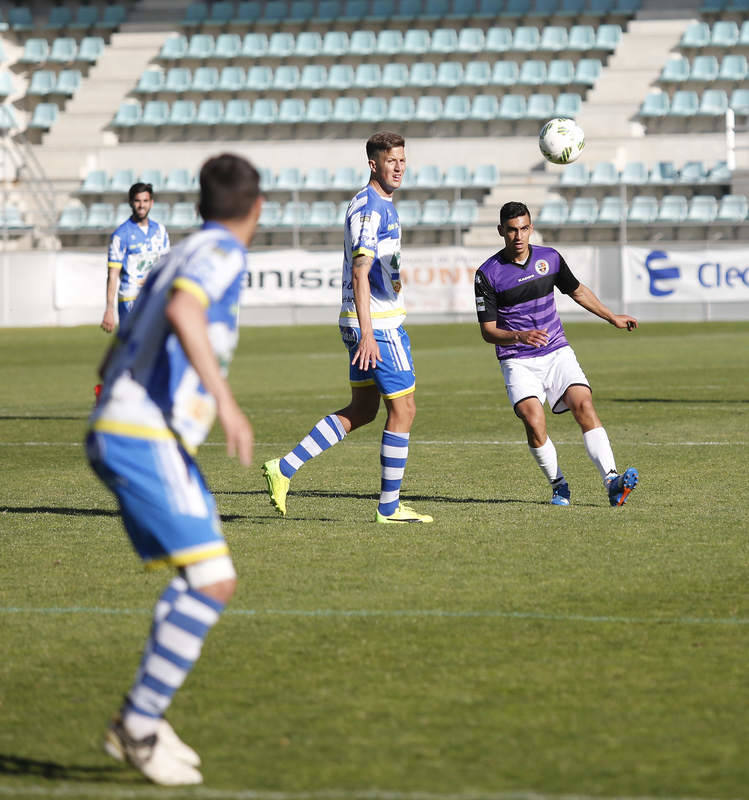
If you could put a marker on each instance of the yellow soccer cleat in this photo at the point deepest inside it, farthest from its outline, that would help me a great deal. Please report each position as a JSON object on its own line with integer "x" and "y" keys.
{"x": 278, "y": 484}
{"x": 402, "y": 514}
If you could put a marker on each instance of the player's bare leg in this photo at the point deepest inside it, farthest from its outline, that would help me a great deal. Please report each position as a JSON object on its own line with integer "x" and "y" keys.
{"x": 531, "y": 413}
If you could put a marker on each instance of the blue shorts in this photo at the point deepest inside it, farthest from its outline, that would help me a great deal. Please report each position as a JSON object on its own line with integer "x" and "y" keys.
{"x": 168, "y": 511}
{"x": 394, "y": 376}
{"x": 124, "y": 307}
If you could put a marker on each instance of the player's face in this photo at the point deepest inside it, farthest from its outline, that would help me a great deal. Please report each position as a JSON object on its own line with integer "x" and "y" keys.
{"x": 388, "y": 168}
{"x": 141, "y": 205}
{"x": 516, "y": 232}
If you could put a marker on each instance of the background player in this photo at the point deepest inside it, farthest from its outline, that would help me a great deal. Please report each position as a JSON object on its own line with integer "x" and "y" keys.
{"x": 372, "y": 312}
{"x": 163, "y": 387}
{"x": 134, "y": 247}
{"x": 517, "y": 313}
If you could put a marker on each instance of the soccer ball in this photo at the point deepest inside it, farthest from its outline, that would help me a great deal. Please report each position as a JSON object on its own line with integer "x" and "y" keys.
{"x": 561, "y": 140}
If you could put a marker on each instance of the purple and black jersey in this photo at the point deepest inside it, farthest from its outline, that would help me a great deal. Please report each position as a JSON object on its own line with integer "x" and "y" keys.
{"x": 520, "y": 297}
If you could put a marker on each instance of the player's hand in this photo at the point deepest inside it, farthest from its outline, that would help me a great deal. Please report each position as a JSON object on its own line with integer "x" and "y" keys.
{"x": 367, "y": 354}
{"x": 240, "y": 438}
{"x": 107, "y": 322}
{"x": 624, "y": 321}
{"x": 535, "y": 337}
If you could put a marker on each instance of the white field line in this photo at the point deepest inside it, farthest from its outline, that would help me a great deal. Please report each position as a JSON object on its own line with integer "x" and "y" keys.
{"x": 427, "y": 442}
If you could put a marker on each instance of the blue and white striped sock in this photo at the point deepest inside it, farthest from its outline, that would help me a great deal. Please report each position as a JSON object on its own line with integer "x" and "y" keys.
{"x": 324, "y": 435}
{"x": 393, "y": 457}
{"x": 182, "y": 619}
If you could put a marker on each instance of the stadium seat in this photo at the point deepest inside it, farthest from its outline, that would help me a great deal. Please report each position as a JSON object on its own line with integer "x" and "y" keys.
{"x": 179, "y": 180}
{"x": 457, "y": 108}
{"x": 346, "y": 110}
{"x": 444, "y": 40}
{"x": 526, "y": 39}
{"x": 643, "y": 210}
{"x": 544, "y": 8}
{"x": 275, "y": 13}
{"x": 655, "y": 105}
{"x": 395, "y": 75}
{"x": 463, "y": 213}
{"x": 68, "y": 82}
{"x": 704, "y": 69}
{"x": 100, "y": 217}
{"x": 289, "y": 179}
{"x": 59, "y": 18}
{"x": 587, "y": 71}
{"x": 540, "y": 106}
{"x": 583, "y": 211}
{"x": 719, "y": 173}
{"x": 121, "y": 212}
{"x": 86, "y": 17}
{"x": 64, "y": 50}
{"x": 280, "y": 45}
{"x": 571, "y": 8}
{"x": 471, "y": 40}
{"x": 576, "y": 174}
{"x": 733, "y": 68}
{"x": 673, "y": 209}
{"x": 183, "y": 216}
{"x": 505, "y": 73}
{"x": 345, "y": 178}
{"x": 317, "y": 179}
{"x": 291, "y": 111}
{"x": 319, "y": 110}
{"x": 608, "y": 37}
{"x": 428, "y": 109}
{"x": 401, "y": 109}
{"x": 228, "y": 46}
{"x": 72, "y": 218}
{"x": 675, "y": 70}
{"x": 286, "y": 78}
{"x": 354, "y": 11}
{"x": 259, "y": 78}
{"x": 295, "y": 214}
{"x": 210, "y": 113}
{"x": 95, "y": 182}
{"x": 248, "y": 12}
{"x": 703, "y": 209}
{"x": 696, "y": 36}
{"x": 477, "y": 73}
{"x": 335, "y": 44}
{"x": 264, "y": 111}
{"x": 416, "y": 42}
{"x": 174, "y": 48}
{"x": 484, "y": 107}
{"x": 308, "y": 44}
{"x": 153, "y": 176}
{"x": 532, "y": 72}
{"x": 255, "y": 45}
{"x": 8, "y": 119}
{"x": 322, "y": 214}
{"x": 112, "y": 17}
{"x": 449, "y": 74}
{"x": 182, "y": 113}
{"x": 128, "y": 115}
{"x": 744, "y": 34}
{"x": 427, "y": 177}
{"x": 561, "y": 72}
{"x": 611, "y": 210}
{"x": 389, "y": 42}
{"x": 568, "y": 104}
{"x": 408, "y": 10}
{"x": 733, "y": 208}
{"x": 498, "y": 40}
{"x": 195, "y": 15}
{"x": 553, "y": 39}
{"x": 20, "y": 19}
{"x": 663, "y": 172}
{"x": 713, "y": 103}
{"x": 6, "y": 84}
{"x": 553, "y": 213}
{"x": 299, "y": 13}
{"x": 155, "y": 113}
{"x": 725, "y": 33}
{"x": 487, "y": 10}
{"x": 340, "y": 77}
{"x": 44, "y": 116}
{"x": 220, "y": 14}
{"x": 604, "y": 173}
{"x": 201, "y": 46}
{"x": 409, "y": 212}
{"x": 634, "y": 173}
{"x": 151, "y": 81}
{"x": 270, "y": 216}
{"x": 457, "y": 176}
{"x": 512, "y": 107}
{"x": 237, "y": 112}
{"x": 35, "y": 52}
{"x": 178, "y": 80}
{"x": 205, "y": 80}
{"x": 740, "y": 101}
{"x": 315, "y": 77}
{"x": 42, "y": 83}
{"x": 232, "y": 79}
{"x": 581, "y": 38}
{"x": 362, "y": 43}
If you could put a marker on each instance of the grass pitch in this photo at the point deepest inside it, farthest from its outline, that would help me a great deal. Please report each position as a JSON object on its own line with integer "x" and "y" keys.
{"x": 511, "y": 649}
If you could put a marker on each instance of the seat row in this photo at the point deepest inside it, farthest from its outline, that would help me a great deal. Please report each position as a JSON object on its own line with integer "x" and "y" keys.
{"x": 730, "y": 6}
{"x": 687, "y": 103}
{"x": 64, "y": 50}
{"x": 731, "y": 68}
{"x": 320, "y": 110}
{"x": 634, "y": 173}
{"x": 392, "y": 76}
{"x": 291, "y": 179}
{"x": 86, "y": 17}
{"x": 299, "y": 12}
{"x": 390, "y": 42}
{"x": 723, "y": 33}
{"x": 46, "y": 82}
{"x": 44, "y": 116}
{"x": 672, "y": 209}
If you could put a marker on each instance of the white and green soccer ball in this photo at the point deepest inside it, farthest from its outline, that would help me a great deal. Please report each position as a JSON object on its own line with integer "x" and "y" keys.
{"x": 561, "y": 140}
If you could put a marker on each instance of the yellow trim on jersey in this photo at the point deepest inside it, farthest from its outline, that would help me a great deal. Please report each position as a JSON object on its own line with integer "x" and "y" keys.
{"x": 396, "y": 312}
{"x": 363, "y": 251}
{"x": 126, "y": 299}
{"x": 139, "y": 432}
{"x": 367, "y": 382}
{"x": 193, "y": 288}
{"x": 188, "y": 557}
{"x": 114, "y": 265}
{"x": 400, "y": 394}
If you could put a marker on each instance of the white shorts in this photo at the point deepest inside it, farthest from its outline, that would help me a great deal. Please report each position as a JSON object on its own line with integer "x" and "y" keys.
{"x": 547, "y": 376}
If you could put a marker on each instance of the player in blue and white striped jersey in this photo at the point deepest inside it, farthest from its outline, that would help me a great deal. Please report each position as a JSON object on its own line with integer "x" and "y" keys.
{"x": 164, "y": 382}
{"x": 372, "y": 313}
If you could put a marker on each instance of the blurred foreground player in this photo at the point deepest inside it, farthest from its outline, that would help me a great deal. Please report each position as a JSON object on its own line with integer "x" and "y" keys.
{"x": 517, "y": 313}
{"x": 164, "y": 384}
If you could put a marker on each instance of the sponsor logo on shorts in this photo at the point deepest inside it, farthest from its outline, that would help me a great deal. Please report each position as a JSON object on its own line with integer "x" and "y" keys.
{"x": 541, "y": 266}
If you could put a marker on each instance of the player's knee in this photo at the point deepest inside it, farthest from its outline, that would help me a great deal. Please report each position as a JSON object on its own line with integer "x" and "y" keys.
{"x": 215, "y": 577}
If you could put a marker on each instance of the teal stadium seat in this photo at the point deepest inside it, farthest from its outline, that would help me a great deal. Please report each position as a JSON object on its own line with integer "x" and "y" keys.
{"x": 583, "y": 211}
{"x": 485, "y": 175}
{"x": 264, "y": 111}
{"x": 409, "y": 212}
{"x": 435, "y": 10}
{"x": 345, "y": 179}
{"x": 740, "y": 102}
{"x": 544, "y": 9}
{"x": 435, "y": 213}
{"x": 587, "y": 71}
{"x": 259, "y": 78}
{"x": 561, "y": 72}
{"x": 416, "y": 42}
{"x": 471, "y": 40}
{"x": 64, "y": 50}
{"x": 201, "y": 46}
{"x": 314, "y": 77}
{"x": 733, "y": 209}
{"x": 267, "y": 178}
{"x": 575, "y": 174}
{"x": 401, "y": 109}
{"x": 8, "y": 119}
{"x": 248, "y": 12}
{"x": 740, "y": 6}
{"x": 444, "y": 40}
{"x": 713, "y": 103}
{"x": 408, "y": 10}
{"x": 571, "y": 8}
{"x": 553, "y": 213}
{"x": 428, "y": 109}
{"x": 553, "y": 39}
{"x": 634, "y": 173}
{"x": 684, "y": 103}
{"x": 340, "y": 77}
{"x": 526, "y": 39}
{"x": 373, "y": 110}
{"x": 673, "y": 209}
{"x": 611, "y": 210}
{"x": 220, "y": 14}
{"x": 693, "y": 172}
{"x": 703, "y": 209}
{"x": 121, "y": 212}
{"x": 655, "y": 105}
{"x": 174, "y": 48}
{"x": 289, "y": 179}
{"x": 72, "y": 218}
{"x": 255, "y": 45}
{"x": 335, "y": 44}
{"x": 581, "y": 38}
{"x": 744, "y": 34}
{"x": 328, "y": 11}
{"x": 643, "y": 210}
{"x": 35, "y": 52}
{"x": 95, "y": 182}
{"x": 112, "y": 17}
{"x": 44, "y": 116}
{"x": 663, "y": 172}
{"x": 725, "y": 33}
{"x": 86, "y": 18}
{"x": 449, "y": 74}
{"x": 323, "y": 214}
{"x": 232, "y": 79}
{"x": 153, "y": 176}
{"x": 505, "y": 73}
{"x": 286, "y": 78}
{"x": 532, "y": 72}
{"x": 295, "y": 214}
{"x": 308, "y": 44}
{"x": 600, "y": 7}
{"x": 704, "y": 69}
{"x": 675, "y": 70}
{"x": 395, "y": 75}
{"x": 498, "y": 40}
{"x": 228, "y": 46}
{"x": 281, "y": 45}
{"x": 696, "y": 36}
{"x": 6, "y": 84}
{"x": 100, "y": 217}
{"x": 380, "y": 11}
{"x": 362, "y": 43}
{"x": 463, "y": 213}
{"x": 389, "y": 42}
{"x": 512, "y": 107}
{"x": 457, "y": 176}
{"x": 42, "y": 83}
{"x": 484, "y": 107}
{"x": 179, "y": 181}
{"x": 317, "y": 179}
{"x": 354, "y": 11}
{"x": 291, "y": 111}
{"x": 178, "y": 80}
{"x": 540, "y": 106}
{"x": 195, "y": 15}
{"x": 346, "y": 110}
{"x": 68, "y": 82}
{"x": 183, "y": 216}
{"x": 237, "y": 112}
{"x": 155, "y": 113}
{"x": 299, "y": 13}
{"x": 275, "y": 13}
{"x": 128, "y": 115}
{"x": 568, "y": 104}
{"x": 733, "y": 68}
{"x": 270, "y": 216}
{"x": 20, "y": 19}
{"x": 59, "y": 18}
{"x": 428, "y": 177}
{"x": 368, "y": 76}
{"x": 477, "y": 73}
{"x": 210, "y": 113}
{"x": 205, "y": 80}
{"x": 89, "y": 50}
{"x": 487, "y": 10}
{"x": 604, "y": 173}
{"x": 608, "y": 37}
{"x": 457, "y": 108}
{"x": 182, "y": 113}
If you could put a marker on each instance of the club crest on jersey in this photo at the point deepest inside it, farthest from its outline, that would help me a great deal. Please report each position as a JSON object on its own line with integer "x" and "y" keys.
{"x": 541, "y": 266}
{"x": 396, "y": 285}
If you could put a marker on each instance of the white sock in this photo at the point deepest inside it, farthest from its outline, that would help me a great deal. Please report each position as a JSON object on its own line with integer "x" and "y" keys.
{"x": 546, "y": 458}
{"x": 599, "y": 451}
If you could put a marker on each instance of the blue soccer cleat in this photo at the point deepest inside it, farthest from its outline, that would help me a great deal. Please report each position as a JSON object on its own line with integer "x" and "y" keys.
{"x": 560, "y": 494}
{"x": 619, "y": 486}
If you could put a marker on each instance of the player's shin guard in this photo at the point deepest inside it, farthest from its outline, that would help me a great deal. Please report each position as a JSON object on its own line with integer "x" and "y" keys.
{"x": 393, "y": 457}
{"x": 182, "y": 618}
{"x": 546, "y": 458}
{"x": 599, "y": 451}
{"x": 324, "y": 435}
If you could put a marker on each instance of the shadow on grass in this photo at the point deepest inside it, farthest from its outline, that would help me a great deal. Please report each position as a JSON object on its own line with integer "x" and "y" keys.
{"x": 81, "y": 418}
{"x": 104, "y": 512}
{"x": 51, "y": 770}
{"x": 681, "y": 402}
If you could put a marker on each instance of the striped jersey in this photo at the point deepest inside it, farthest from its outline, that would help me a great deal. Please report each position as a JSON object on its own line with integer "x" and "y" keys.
{"x": 372, "y": 228}
{"x": 134, "y": 252}
{"x": 520, "y": 297}
{"x": 151, "y": 391}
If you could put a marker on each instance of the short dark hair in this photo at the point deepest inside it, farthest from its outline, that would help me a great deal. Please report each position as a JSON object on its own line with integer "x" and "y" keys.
{"x": 382, "y": 142}
{"x": 229, "y": 187}
{"x": 139, "y": 188}
{"x": 511, "y": 210}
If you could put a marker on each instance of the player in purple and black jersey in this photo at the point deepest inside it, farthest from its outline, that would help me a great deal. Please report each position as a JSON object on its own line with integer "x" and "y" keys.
{"x": 518, "y": 315}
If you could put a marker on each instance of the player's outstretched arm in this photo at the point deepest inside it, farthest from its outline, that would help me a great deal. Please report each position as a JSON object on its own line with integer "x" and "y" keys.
{"x": 113, "y": 277}
{"x": 495, "y": 335}
{"x": 186, "y": 315}
{"x": 367, "y": 353}
{"x": 584, "y": 297}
